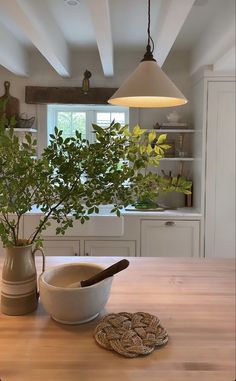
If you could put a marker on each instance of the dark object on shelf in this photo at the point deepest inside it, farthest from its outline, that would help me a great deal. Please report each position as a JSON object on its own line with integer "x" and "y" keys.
{"x": 171, "y": 151}
{"x": 12, "y": 106}
{"x": 24, "y": 122}
{"x": 174, "y": 125}
{"x": 157, "y": 126}
{"x": 189, "y": 198}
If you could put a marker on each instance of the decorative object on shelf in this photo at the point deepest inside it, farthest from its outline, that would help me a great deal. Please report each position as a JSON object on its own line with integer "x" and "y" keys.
{"x": 19, "y": 294}
{"x": 85, "y": 83}
{"x": 130, "y": 334}
{"x": 10, "y": 105}
{"x": 148, "y": 85}
{"x": 171, "y": 151}
{"x": 24, "y": 122}
{"x": 180, "y": 152}
{"x": 154, "y": 185}
{"x": 189, "y": 199}
{"x": 173, "y": 125}
{"x": 173, "y": 117}
{"x": 156, "y": 126}
{"x": 72, "y": 2}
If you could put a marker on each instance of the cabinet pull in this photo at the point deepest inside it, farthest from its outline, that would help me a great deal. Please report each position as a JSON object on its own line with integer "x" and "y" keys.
{"x": 76, "y": 254}
{"x": 86, "y": 254}
{"x": 169, "y": 223}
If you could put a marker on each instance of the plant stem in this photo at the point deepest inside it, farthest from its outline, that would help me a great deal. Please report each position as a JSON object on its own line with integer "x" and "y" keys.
{"x": 5, "y": 217}
{"x": 43, "y": 222}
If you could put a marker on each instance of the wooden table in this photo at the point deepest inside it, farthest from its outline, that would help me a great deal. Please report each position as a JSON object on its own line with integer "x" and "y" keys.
{"x": 194, "y": 298}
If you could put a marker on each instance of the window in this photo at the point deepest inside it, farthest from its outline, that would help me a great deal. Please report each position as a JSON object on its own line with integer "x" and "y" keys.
{"x": 70, "y": 118}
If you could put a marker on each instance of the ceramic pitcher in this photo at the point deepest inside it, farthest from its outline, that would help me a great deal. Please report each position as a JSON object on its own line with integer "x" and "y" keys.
{"x": 19, "y": 294}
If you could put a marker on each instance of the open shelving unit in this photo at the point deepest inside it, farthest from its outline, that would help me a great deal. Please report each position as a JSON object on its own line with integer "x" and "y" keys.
{"x": 181, "y": 159}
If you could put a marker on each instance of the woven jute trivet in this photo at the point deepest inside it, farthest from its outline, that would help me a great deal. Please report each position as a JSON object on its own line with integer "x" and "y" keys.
{"x": 130, "y": 334}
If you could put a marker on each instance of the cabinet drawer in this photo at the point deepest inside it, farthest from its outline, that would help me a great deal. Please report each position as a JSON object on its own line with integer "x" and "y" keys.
{"x": 169, "y": 238}
{"x": 61, "y": 248}
{"x": 110, "y": 248}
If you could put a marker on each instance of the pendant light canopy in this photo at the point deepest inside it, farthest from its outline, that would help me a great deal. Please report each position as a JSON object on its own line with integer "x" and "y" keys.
{"x": 148, "y": 85}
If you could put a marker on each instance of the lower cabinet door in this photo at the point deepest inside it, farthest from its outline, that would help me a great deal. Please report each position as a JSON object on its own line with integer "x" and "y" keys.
{"x": 168, "y": 238}
{"x": 110, "y": 248}
{"x": 61, "y": 248}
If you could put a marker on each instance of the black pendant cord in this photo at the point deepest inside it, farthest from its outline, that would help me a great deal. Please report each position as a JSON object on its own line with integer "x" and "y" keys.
{"x": 148, "y": 29}
{"x": 148, "y": 56}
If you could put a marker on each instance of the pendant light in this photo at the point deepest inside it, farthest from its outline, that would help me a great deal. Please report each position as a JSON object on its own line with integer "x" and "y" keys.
{"x": 148, "y": 85}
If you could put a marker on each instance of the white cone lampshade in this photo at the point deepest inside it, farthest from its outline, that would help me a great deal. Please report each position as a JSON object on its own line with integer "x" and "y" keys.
{"x": 148, "y": 86}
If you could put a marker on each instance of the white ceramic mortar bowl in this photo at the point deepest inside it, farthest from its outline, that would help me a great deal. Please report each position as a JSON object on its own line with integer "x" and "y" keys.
{"x": 73, "y": 305}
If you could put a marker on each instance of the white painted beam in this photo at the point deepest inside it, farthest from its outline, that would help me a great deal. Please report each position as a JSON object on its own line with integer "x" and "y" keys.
{"x": 13, "y": 56}
{"x": 173, "y": 14}
{"x": 35, "y": 21}
{"x": 227, "y": 61}
{"x": 216, "y": 40}
{"x": 100, "y": 16}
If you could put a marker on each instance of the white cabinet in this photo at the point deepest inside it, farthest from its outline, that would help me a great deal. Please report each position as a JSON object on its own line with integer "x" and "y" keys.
{"x": 109, "y": 248}
{"x": 169, "y": 238}
{"x": 220, "y": 170}
{"x": 61, "y": 247}
{"x": 213, "y": 100}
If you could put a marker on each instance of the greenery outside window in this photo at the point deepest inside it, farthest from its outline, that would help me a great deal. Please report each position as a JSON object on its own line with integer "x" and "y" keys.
{"x": 70, "y": 118}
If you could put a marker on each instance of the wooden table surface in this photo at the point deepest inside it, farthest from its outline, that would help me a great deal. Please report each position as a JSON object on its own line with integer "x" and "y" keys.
{"x": 194, "y": 299}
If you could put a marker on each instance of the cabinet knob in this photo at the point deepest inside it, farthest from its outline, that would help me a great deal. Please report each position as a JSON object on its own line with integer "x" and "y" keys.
{"x": 169, "y": 223}
{"x": 86, "y": 254}
{"x": 76, "y": 254}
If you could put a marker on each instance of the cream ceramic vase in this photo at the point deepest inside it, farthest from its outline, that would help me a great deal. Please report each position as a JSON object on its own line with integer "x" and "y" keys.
{"x": 19, "y": 294}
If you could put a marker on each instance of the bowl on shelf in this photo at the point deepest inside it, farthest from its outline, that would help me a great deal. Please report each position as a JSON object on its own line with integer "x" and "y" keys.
{"x": 173, "y": 117}
{"x": 73, "y": 305}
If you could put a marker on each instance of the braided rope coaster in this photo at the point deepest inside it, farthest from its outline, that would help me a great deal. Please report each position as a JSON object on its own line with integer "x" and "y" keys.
{"x": 130, "y": 335}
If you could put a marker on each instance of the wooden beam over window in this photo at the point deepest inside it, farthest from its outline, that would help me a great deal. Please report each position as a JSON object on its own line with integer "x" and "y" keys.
{"x": 67, "y": 95}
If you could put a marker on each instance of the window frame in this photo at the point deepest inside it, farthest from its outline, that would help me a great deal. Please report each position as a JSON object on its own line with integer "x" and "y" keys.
{"x": 90, "y": 110}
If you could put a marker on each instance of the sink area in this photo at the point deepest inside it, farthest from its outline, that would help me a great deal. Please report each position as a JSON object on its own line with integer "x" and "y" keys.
{"x": 102, "y": 224}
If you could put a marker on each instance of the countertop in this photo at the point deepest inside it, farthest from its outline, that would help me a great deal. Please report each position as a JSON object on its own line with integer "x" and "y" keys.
{"x": 194, "y": 299}
{"x": 131, "y": 211}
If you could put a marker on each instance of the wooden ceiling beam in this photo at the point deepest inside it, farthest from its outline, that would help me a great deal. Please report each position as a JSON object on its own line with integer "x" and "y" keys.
{"x": 67, "y": 95}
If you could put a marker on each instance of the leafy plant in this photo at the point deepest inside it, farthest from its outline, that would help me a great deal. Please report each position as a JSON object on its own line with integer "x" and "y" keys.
{"x": 73, "y": 177}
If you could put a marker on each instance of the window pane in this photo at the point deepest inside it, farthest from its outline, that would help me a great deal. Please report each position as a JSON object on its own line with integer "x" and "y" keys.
{"x": 118, "y": 116}
{"x": 69, "y": 122}
{"x": 105, "y": 118}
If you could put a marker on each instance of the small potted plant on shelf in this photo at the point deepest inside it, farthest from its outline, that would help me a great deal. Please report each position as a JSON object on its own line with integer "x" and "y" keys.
{"x": 67, "y": 183}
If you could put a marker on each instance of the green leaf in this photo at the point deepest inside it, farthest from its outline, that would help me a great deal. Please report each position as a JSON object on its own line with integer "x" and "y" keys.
{"x": 149, "y": 149}
{"x": 137, "y": 131}
{"x": 161, "y": 138}
{"x": 151, "y": 136}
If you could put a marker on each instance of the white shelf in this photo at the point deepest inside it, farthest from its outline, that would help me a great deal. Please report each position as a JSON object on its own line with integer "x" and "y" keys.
{"x": 172, "y": 130}
{"x": 23, "y": 129}
{"x": 177, "y": 159}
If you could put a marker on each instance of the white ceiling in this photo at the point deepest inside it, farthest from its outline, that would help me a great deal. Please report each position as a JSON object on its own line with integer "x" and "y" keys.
{"x": 56, "y": 29}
